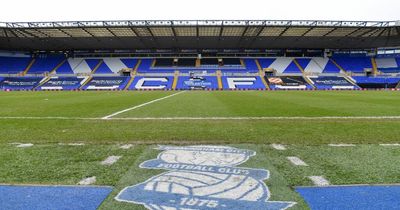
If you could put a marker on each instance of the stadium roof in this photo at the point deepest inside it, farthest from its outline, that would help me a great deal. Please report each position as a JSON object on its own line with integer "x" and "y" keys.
{"x": 196, "y": 34}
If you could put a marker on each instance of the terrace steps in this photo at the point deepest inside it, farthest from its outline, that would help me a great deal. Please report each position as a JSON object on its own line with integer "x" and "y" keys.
{"x": 86, "y": 81}
{"x": 136, "y": 67}
{"x": 219, "y": 79}
{"x": 97, "y": 66}
{"x": 337, "y": 65}
{"x": 351, "y": 80}
{"x": 262, "y": 74}
{"x": 58, "y": 66}
{"x": 302, "y": 71}
{"x": 176, "y": 77}
{"x": 130, "y": 82}
{"x": 374, "y": 66}
{"x": 29, "y": 67}
{"x": 46, "y": 79}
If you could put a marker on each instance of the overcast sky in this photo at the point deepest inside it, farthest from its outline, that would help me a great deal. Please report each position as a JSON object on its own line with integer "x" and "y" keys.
{"x": 67, "y": 10}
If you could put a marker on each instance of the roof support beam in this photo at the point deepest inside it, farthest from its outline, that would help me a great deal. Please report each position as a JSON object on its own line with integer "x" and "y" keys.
{"x": 65, "y": 32}
{"x": 23, "y": 31}
{"x": 108, "y": 29}
{"x": 369, "y": 31}
{"x": 333, "y": 29}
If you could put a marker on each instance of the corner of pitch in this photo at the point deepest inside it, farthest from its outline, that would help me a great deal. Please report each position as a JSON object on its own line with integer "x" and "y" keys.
{"x": 202, "y": 177}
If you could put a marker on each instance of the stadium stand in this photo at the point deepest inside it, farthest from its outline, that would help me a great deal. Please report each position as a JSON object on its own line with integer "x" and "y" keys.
{"x": 105, "y": 72}
{"x": 376, "y": 82}
{"x": 20, "y": 83}
{"x": 201, "y": 82}
{"x": 45, "y": 64}
{"x": 152, "y": 83}
{"x": 332, "y": 82}
{"x": 333, "y": 60}
{"x": 388, "y": 65}
{"x": 164, "y": 62}
{"x": 106, "y": 83}
{"x": 288, "y": 82}
{"x": 186, "y": 62}
{"x": 244, "y": 83}
{"x": 14, "y": 65}
{"x": 353, "y": 64}
{"x": 62, "y": 83}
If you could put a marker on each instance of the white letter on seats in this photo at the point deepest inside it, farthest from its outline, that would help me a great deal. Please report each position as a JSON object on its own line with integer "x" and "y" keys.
{"x": 234, "y": 81}
{"x": 140, "y": 83}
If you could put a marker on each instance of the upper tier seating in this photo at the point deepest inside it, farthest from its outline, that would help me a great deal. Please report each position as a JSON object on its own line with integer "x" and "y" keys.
{"x": 251, "y": 65}
{"x": 315, "y": 65}
{"x": 13, "y": 65}
{"x": 45, "y": 64}
{"x": 285, "y": 65}
{"x": 353, "y": 64}
{"x": 145, "y": 65}
{"x": 388, "y": 65}
{"x": 86, "y": 66}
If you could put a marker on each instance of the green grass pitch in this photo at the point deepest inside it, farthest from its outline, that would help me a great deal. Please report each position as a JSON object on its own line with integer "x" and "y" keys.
{"x": 245, "y": 119}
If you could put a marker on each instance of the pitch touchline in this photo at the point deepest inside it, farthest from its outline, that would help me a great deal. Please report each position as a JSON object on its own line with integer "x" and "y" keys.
{"x": 140, "y": 105}
{"x": 257, "y": 118}
{"x": 207, "y": 118}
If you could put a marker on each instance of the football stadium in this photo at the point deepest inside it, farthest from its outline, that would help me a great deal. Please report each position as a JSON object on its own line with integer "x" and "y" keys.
{"x": 200, "y": 114}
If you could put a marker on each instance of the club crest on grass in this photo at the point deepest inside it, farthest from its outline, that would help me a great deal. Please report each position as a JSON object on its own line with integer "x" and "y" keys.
{"x": 202, "y": 177}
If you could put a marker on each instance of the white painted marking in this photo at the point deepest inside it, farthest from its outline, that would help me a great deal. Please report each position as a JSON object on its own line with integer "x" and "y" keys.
{"x": 341, "y": 145}
{"x": 87, "y": 181}
{"x": 24, "y": 145}
{"x": 126, "y": 146}
{"x": 76, "y": 144}
{"x": 278, "y": 146}
{"x": 72, "y": 144}
{"x": 319, "y": 180}
{"x": 297, "y": 161}
{"x": 390, "y": 145}
{"x": 140, "y": 105}
{"x": 211, "y": 118}
{"x": 110, "y": 160}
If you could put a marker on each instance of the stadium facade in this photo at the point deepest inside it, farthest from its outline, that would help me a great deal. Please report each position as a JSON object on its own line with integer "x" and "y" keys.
{"x": 212, "y": 54}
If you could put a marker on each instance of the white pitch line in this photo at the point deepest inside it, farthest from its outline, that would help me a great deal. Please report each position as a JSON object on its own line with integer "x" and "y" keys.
{"x": 258, "y": 118}
{"x": 140, "y": 105}
{"x": 126, "y": 146}
{"x": 24, "y": 145}
{"x": 319, "y": 180}
{"x": 209, "y": 118}
{"x": 341, "y": 145}
{"x": 390, "y": 145}
{"x": 297, "y": 161}
{"x": 278, "y": 146}
{"x": 110, "y": 160}
{"x": 87, "y": 181}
